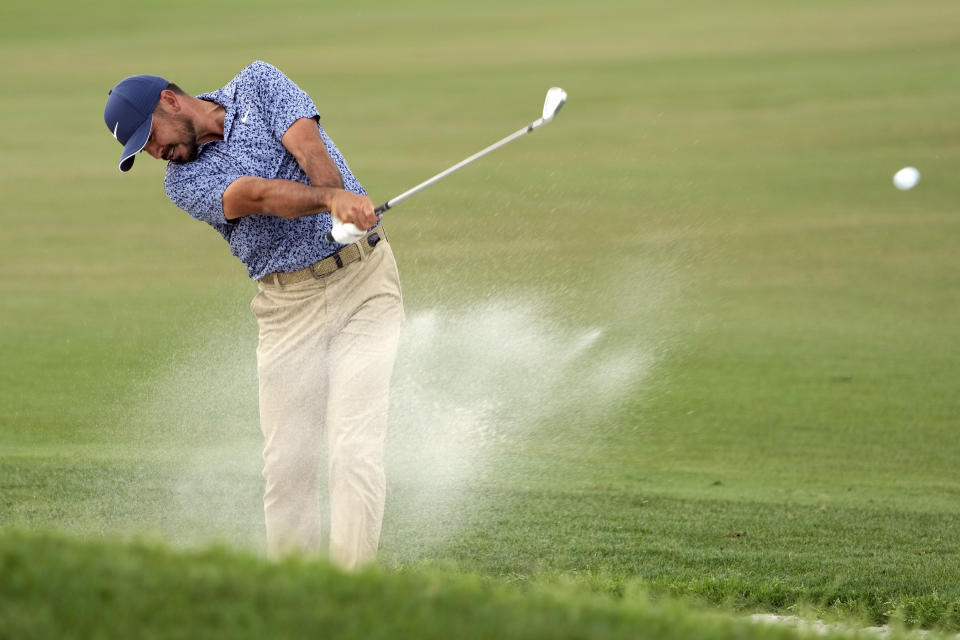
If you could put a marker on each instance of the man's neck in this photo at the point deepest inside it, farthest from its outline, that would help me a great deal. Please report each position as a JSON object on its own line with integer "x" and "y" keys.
{"x": 209, "y": 121}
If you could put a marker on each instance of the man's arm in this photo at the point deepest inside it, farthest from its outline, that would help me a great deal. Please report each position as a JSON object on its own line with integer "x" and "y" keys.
{"x": 304, "y": 142}
{"x": 248, "y": 196}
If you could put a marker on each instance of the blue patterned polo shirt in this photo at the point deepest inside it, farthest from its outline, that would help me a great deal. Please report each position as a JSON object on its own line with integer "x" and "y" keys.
{"x": 261, "y": 103}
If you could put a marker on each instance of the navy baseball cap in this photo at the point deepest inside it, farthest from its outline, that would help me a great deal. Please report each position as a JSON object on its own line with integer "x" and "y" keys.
{"x": 129, "y": 113}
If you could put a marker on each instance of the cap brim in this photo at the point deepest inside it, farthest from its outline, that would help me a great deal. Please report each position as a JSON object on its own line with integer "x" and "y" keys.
{"x": 135, "y": 144}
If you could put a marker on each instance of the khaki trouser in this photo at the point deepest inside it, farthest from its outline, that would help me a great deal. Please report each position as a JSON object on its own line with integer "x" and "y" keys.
{"x": 325, "y": 357}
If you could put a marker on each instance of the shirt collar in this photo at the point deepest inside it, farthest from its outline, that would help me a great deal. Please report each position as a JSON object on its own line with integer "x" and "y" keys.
{"x": 225, "y": 97}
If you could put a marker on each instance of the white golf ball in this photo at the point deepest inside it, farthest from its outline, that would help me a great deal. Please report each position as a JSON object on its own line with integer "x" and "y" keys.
{"x": 906, "y": 178}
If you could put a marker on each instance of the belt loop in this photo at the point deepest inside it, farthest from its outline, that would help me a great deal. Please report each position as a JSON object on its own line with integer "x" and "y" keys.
{"x": 370, "y": 241}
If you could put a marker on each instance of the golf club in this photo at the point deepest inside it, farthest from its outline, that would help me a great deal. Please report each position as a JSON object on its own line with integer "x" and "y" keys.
{"x": 344, "y": 233}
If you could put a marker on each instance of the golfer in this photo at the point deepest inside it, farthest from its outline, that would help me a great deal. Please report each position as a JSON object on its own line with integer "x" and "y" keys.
{"x": 252, "y": 161}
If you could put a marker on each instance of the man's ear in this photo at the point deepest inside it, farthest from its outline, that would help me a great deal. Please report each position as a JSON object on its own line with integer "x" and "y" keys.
{"x": 170, "y": 101}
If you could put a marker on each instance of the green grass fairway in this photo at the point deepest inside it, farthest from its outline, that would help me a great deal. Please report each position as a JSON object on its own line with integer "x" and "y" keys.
{"x": 52, "y": 587}
{"x": 686, "y": 341}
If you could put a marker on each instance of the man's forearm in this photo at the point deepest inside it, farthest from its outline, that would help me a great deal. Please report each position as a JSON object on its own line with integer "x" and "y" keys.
{"x": 305, "y": 142}
{"x": 275, "y": 197}
{"x": 320, "y": 169}
{"x": 249, "y": 196}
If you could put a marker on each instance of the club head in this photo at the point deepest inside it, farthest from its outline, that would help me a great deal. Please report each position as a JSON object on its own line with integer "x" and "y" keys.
{"x": 556, "y": 97}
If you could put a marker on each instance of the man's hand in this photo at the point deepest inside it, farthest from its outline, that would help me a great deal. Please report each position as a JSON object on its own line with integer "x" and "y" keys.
{"x": 350, "y": 208}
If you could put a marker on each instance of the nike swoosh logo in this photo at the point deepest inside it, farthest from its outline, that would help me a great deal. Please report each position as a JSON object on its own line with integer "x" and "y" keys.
{"x": 243, "y": 120}
{"x": 115, "y": 131}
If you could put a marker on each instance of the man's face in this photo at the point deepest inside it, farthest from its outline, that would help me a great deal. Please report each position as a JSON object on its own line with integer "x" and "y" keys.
{"x": 172, "y": 137}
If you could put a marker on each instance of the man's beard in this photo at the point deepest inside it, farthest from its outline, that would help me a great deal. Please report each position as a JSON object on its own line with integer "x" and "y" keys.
{"x": 188, "y": 132}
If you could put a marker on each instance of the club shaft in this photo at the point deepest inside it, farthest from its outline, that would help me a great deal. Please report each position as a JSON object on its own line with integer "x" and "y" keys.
{"x": 443, "y": 174}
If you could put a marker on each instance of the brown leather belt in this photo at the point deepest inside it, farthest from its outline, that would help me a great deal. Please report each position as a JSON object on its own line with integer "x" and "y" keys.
{"x": 329, "y": 265}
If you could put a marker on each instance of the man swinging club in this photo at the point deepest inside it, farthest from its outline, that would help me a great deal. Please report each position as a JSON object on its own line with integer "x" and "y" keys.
{"x": 252, "y": 161}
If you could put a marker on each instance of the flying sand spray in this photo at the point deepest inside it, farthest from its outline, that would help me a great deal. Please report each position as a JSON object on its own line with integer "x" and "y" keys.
{"x": 460, "y": 410}
{"x": 347, "y": 232}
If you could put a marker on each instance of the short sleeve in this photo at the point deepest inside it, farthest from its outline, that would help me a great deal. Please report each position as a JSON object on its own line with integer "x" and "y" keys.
{"x": 199, "y": 194}
{"x": 283, "y": 101}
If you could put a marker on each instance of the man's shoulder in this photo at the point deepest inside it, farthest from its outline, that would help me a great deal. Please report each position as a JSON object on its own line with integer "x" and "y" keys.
{"x": 197, "y": 187}
{"x": 208, "y": 168}
{"x": 257, "y": 71}
{"x": 251, "y": 76}
{"x": 179, "y": 175}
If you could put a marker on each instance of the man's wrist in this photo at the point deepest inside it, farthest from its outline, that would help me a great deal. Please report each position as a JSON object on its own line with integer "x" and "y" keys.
{"x": 325, "y": 197}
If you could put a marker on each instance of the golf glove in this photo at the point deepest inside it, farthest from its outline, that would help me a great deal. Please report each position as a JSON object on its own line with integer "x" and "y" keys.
{"x": 345, "y": 232}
